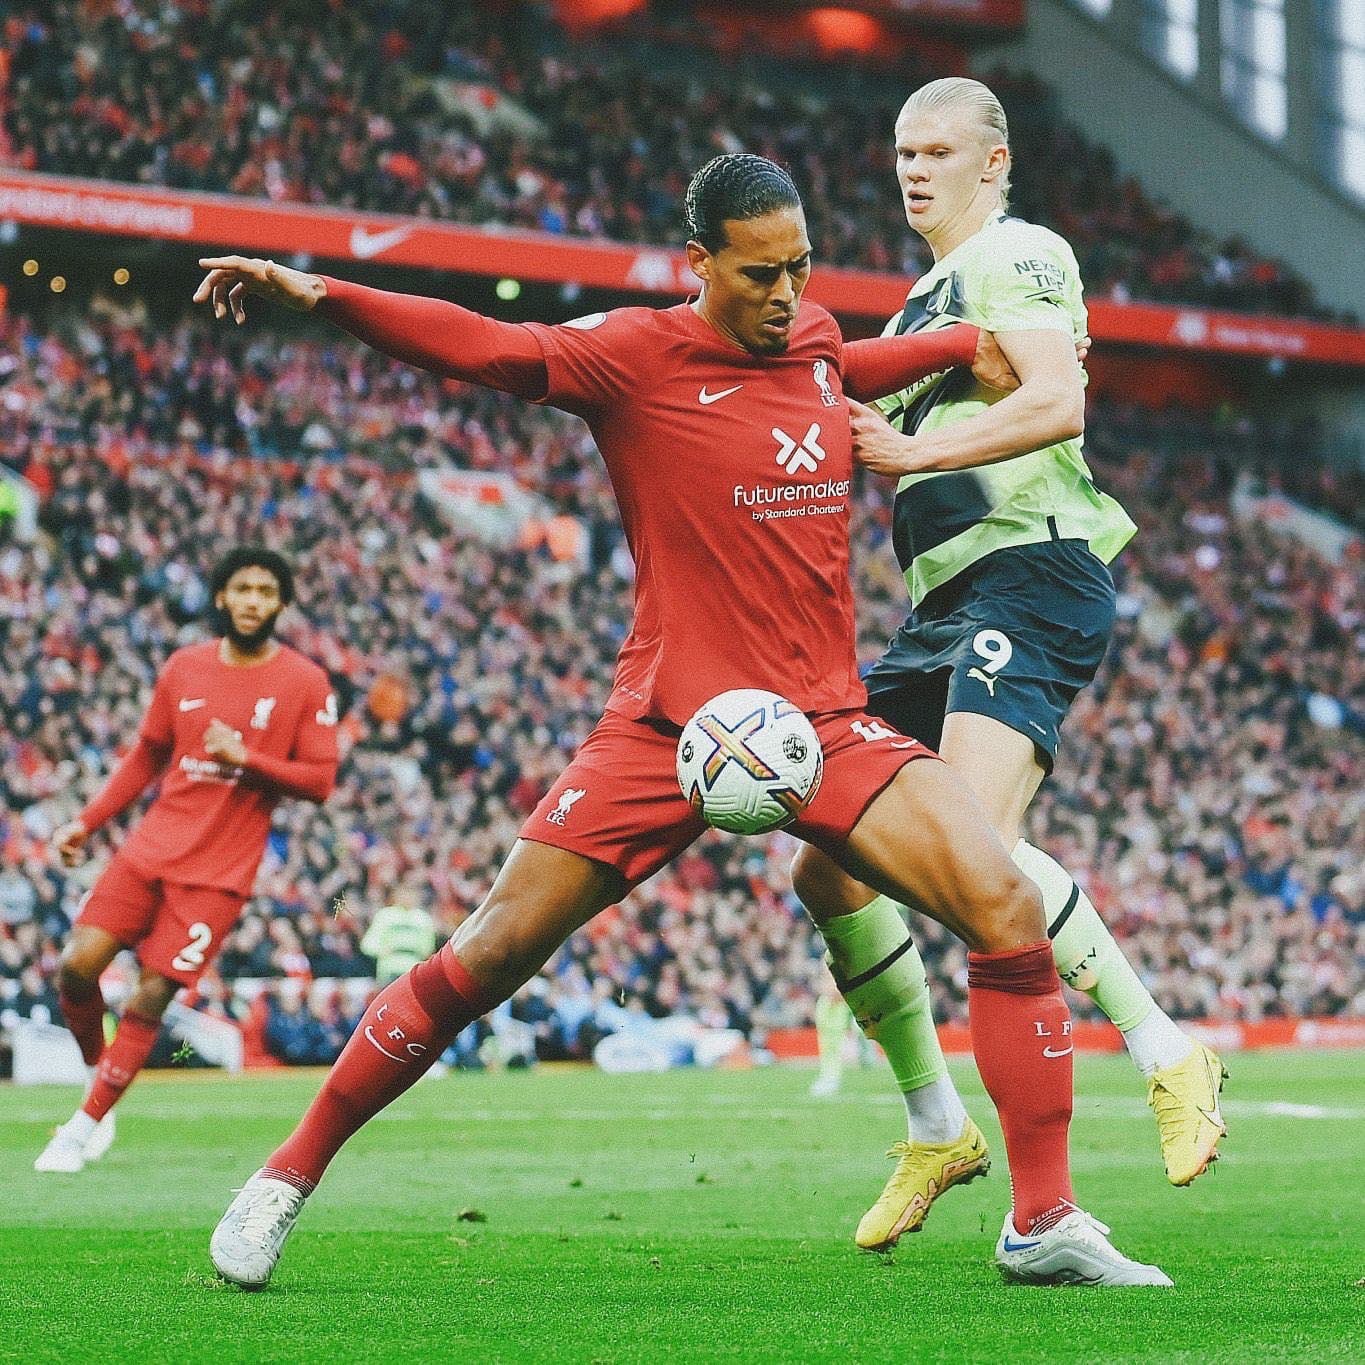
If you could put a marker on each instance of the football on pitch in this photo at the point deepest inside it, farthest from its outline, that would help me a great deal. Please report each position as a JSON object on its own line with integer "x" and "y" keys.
{"x": 749, "y": 761}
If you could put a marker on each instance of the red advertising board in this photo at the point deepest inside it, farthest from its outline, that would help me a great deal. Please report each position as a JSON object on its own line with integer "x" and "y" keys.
{"x": 216, "y": 221}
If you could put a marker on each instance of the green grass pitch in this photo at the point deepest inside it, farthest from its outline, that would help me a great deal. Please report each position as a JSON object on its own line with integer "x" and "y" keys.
{"x": 688, "y": 1217}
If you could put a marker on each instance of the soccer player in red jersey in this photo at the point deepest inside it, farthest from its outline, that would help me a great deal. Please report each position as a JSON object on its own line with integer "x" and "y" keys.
{"x": 234, "y": 724}
{"x": 725, "y": 430}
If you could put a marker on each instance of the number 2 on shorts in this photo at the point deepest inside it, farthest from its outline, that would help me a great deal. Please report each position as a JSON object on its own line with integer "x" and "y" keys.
{"x": 191, "y": 957}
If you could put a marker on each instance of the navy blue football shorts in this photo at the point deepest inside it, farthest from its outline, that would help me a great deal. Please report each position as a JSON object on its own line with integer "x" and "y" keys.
{"x": 1014, "y": 636}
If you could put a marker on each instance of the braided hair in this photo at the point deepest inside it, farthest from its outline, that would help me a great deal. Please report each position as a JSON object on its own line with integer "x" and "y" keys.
{"x": 738, "y": 186}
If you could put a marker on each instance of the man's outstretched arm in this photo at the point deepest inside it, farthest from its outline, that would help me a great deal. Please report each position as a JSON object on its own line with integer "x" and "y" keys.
{"x": 879, "y": 366}
{"x": 1047, "y": 407}
{"x": 432, "y": 334}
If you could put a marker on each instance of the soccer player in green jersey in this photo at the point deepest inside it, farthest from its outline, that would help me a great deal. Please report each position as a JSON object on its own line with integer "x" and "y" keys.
{"x": 1004, "y": 540}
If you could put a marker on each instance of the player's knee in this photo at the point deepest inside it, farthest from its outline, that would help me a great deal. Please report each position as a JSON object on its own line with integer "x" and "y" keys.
{"x": 76, "y": 979}
{"x": 808, "y": 878}
{"x": 499, "y": 946}
{"x": 1010, "y": 914}
{"x": 152, "y": 996}
{"x": 821, "y": 885}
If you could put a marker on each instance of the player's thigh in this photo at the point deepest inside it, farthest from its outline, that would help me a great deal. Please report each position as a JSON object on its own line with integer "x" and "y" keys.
{"x": 927, "y": 841}
{"x": 618, "y": 802}
{"x": 89, "y": 951}
{"x": 541, "y": 895}
{"x": 123, "y": 904}
{"x": 999, "y": 764}
{"x": 189, "y": 931}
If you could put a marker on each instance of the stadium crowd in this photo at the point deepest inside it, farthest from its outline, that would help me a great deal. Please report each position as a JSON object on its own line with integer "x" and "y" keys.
{"x": 488, "y": 114}
{"x": 1209, "y": 791}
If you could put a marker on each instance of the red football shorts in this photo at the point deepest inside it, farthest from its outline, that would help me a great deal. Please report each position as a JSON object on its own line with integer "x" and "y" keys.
{"x": 175, "y": 929}
{"x": 619, "y": 801}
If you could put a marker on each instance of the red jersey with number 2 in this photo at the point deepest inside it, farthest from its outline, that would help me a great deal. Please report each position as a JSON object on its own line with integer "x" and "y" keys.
{"x": 732, "y": 473}
{"x": 209, "y": 824}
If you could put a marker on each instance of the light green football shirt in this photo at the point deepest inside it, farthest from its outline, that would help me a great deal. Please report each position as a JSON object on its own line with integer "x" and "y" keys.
{"x": 1011, "y": 276}
{"x": 399, "y": 937}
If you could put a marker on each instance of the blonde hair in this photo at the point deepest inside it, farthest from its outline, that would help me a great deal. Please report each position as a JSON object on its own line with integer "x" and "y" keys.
{"x": 961, "y": 92}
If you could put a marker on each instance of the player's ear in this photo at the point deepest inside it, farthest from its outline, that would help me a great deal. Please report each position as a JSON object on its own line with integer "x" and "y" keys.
{"x": 700, "y": 260}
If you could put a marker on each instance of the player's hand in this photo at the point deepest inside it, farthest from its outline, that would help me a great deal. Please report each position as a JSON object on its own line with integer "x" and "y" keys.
{"x": 223, "y": 743}
{"x": 231, "y": 278}
{"x": 877, "y": 445}
{"x": 1082, "y": 350}
{"x": 990, "y": 366}
{"x": 69, "y": 840}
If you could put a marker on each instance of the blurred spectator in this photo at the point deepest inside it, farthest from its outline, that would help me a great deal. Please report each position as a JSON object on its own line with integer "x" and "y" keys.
{"x": 400, "y": 936}
{"x": 1208, "y": 792}
{"x": 488, "y": 114}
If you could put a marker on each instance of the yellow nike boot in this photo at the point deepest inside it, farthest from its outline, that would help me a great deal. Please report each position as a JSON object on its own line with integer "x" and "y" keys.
{"x": 923, "y": 1171}
{"x": 1184, "y": 1098}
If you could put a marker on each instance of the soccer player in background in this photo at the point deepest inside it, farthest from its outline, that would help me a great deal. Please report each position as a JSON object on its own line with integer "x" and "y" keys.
{"x": 400, "y": 936}
{"x": 1004, "y": 554}
{"x": 234, "y": 725}
{"x": 724, "y": 429}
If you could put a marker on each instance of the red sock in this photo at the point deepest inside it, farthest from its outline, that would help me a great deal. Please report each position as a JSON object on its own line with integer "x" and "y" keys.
{"x": 1021, "y": 1034}
{"x": 405, "y": 1029}
{"x": 123, "y": 1059}
{"x": 85, "y": 1019}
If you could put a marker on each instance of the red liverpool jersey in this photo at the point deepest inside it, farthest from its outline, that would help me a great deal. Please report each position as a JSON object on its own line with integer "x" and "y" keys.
{"x": 209, "y": 823}
{"x": 732, "y": 472}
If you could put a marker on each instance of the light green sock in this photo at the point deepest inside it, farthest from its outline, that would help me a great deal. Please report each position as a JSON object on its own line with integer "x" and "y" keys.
{"x": 1087, "y": 957}
{"x": 1089, "y": 960}
{"x": 832, "y": 1018}
{"x": 880, "y": 972}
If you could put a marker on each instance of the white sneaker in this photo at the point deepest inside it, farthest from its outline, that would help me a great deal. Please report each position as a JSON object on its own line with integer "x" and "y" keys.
{"x": 65, "y": 1153}
{"x": 250, "y": 1235}
{"x": 825, "y": 1087}
{"x": 1075, "y": 1251}
{"x": 101, "y": 1139}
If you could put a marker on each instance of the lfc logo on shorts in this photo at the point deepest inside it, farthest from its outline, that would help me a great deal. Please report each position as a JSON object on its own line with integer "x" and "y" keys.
{"x": 261, "y": 717}
{"x": 566, "y": 802}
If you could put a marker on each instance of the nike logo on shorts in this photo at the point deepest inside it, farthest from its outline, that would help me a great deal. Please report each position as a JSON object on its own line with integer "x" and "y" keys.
{"x": 706, "y": 399}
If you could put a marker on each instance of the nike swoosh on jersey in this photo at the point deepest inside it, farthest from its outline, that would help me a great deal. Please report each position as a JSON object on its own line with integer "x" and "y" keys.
{"x": 706, "y": 399}
{"x": 191, "y": 703}
{"x": 1057, "y": 1052}
{"x": 366, "y": 244}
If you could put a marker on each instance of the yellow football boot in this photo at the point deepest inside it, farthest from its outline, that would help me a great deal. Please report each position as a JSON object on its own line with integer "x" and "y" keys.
{"x": 922, "y": 1173}
{"x": 1184, "y": 1098}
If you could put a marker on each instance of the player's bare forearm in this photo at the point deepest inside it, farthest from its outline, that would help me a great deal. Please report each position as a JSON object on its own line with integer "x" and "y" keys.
{"x": 304, "y": 778}
{"x": 1032, "y": 418}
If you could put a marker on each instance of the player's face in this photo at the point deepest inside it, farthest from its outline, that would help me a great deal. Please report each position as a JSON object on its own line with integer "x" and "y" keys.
{"x": 945, "y": 160}
{"x": 755, "y": 281}
{"x": 251, "y": 602}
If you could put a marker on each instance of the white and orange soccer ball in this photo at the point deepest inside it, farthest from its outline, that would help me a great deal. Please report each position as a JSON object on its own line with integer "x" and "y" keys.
{"x": 749, "y": 761}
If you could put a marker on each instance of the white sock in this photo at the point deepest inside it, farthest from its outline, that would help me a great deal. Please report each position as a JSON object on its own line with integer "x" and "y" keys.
{"x": 80, "y": 1125}
{"x": 935, "y": 1112}
{"x": 1157, "y": 1042}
